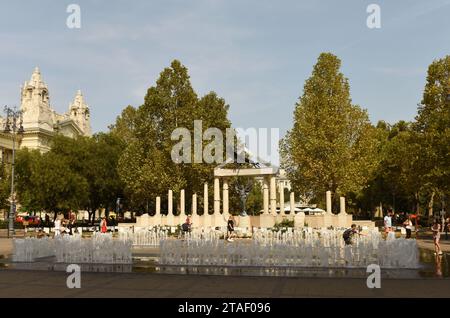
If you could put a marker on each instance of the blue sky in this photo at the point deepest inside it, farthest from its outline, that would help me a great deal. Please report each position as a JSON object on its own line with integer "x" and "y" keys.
{"x": 255, "y": 54}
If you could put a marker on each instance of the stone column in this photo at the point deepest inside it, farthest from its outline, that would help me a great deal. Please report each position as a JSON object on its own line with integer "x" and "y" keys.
{"x": 170, "y": 220}
{"x": 182, "y": 203}
{"x": 225, "y": 197}
{"x": 273, "y": 195}
{"x": 205, "y": 198}
{"x": 328, "y": 197}
{"x": 342, "y": 205}
{"x": 265, "y": 195}
{"x": 195, "y": 216}
{"x": 158, "y": 205}
{"x": 292, "y": 203}
{"x": 281, "y": 187}
{"x": 170, "y": 203}
{"x": 216, "y": 196}
{"x": 157, "y": 217}
{"x": 194, "y": 204}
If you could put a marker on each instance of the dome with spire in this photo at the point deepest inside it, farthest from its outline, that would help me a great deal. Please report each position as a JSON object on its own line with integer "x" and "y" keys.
{"x": 41, "y": 121}
{"x": 36, "y": 79}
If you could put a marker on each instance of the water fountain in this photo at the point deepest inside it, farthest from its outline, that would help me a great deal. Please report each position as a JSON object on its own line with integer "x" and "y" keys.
{"x": 148, "y": 237}
{"x": 293, "y": 248}
{"x": 100, "y": 249}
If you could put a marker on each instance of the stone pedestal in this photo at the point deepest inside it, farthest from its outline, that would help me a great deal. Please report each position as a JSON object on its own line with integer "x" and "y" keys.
{"x": 143, "y": 220}
{"x": 170, "y": 220}
{"x": 327, "y": 219}
{"x": 206, "y": 220}
{"x": 244, "y": 224}
{"x": 266, "y": 220}
{"x": 218, "y": 220}
{"x": 279, "y": 218}
{"x": 179, "y": 219}
{"x": 342, "y": 220}
{"x": 196, "y": 220}
{"x": 156, "y": 220}
{"x": 163, "y": 220}
{"x": 299, "y": 220}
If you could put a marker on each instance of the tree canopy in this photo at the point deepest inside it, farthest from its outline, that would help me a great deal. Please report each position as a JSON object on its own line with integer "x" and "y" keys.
{"x": 146, "y": 166}
{"x": 332, "y": 145}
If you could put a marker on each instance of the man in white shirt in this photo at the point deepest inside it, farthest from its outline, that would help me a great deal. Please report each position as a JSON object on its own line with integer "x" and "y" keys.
{"x": 388, "y": 221}
{"x": 57, "y": 227}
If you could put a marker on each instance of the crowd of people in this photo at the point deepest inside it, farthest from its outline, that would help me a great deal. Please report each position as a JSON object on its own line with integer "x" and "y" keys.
{"x": 67, "y": 224}
{"x": 231, "y": 223}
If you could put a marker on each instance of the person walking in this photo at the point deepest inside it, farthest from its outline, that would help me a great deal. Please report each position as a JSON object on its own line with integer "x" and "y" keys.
{"x": 388, "y": 222}
{"x": 408, "y": 226}
{"x": 112, "y": 221}
{"x": 47, "y": 220}
{"x": 57, "y": 227}
{"x": 436, "y": 228}
{"x": 103, "y": 225}
{"x": 230, "y": 228}
{"x": 71, "y": 222}
{"x": 349, "y": 233}
{"x": 186, "y": 226}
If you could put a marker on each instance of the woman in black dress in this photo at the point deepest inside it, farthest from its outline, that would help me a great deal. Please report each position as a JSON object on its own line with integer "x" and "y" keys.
{"x": 230, "y": 228}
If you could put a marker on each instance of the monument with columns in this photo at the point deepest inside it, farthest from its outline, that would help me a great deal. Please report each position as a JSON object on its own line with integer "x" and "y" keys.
{"x": 266, "y": 219}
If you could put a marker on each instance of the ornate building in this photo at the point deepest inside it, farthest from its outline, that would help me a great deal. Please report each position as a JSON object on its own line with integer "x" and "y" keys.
{"x": 41, "y": 122}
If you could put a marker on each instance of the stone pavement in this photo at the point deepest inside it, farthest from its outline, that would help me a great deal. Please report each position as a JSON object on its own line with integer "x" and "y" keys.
{"x": 27, "y": 283}
{"x": 5, "y": 247}
{"x": 53, "y": 284}
{"x": 429, "y": 244}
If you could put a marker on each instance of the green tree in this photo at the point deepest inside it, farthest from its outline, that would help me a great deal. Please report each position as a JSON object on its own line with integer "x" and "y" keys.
{"x": 332, "y": 145}
{"x": 125, "y": 124}
{"x": 433, "y": 127}
{"x": 146, "y": 166}
{"x": 255, "y": 200}
{"x": 75, "y": 174}
{"x": 4, "y": 186}
{"x": 46, "y": 182}
{"x": 95, "y": 159}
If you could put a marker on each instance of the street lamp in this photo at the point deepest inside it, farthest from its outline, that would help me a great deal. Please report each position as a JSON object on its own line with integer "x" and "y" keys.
{"x": 13, "y": 126}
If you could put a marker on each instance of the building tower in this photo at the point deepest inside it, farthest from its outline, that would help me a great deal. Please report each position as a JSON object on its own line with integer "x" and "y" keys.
{"x": 35, "y": 103}
{"x": 79, "y": 113}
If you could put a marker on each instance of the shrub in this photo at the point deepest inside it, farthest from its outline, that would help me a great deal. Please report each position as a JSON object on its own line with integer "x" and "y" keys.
{"x": 282, "y": 224}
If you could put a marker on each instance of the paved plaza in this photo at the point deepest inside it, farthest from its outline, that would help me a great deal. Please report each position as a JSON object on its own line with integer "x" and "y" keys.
{"x": 30, "y": 283}
{"x": 53, "y": 284}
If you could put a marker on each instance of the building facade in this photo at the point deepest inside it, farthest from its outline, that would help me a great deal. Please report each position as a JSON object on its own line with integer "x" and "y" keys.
{"x": 41, "y": 122}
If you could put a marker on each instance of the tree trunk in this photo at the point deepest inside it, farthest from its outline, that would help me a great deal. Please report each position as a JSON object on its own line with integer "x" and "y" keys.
{"x": 430, "y": 205}
{"x": 416, "y": 196}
